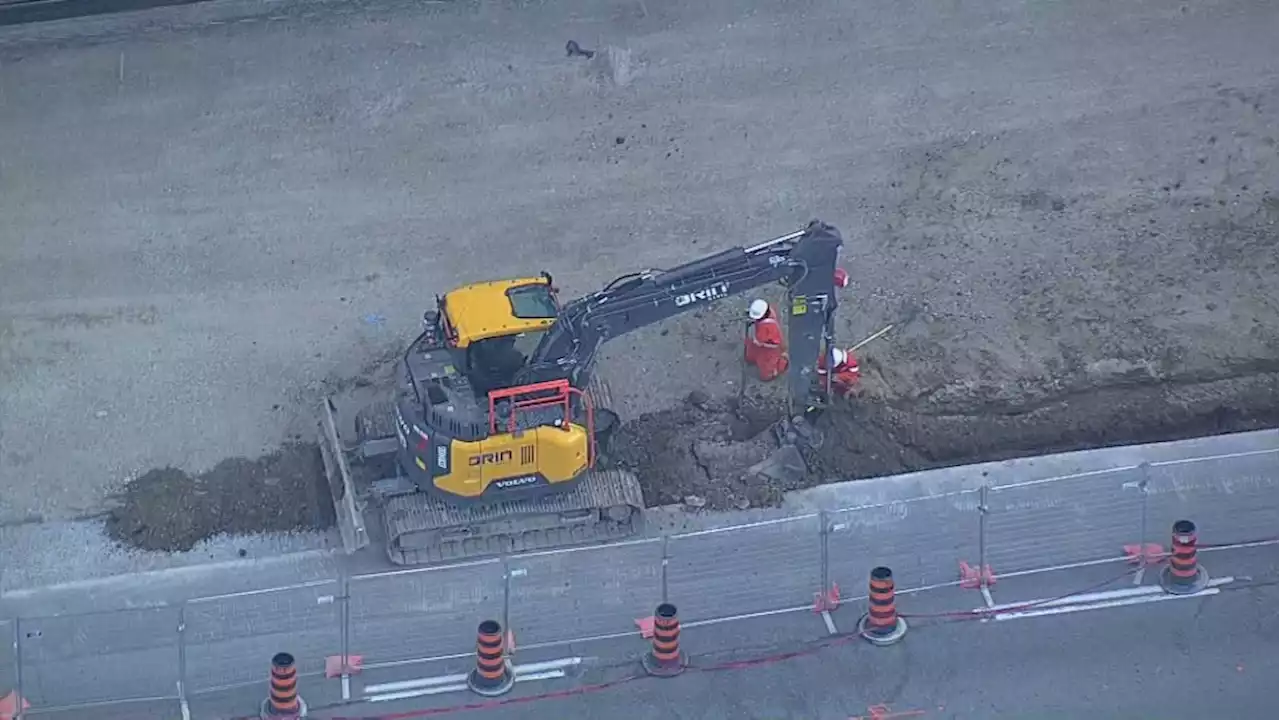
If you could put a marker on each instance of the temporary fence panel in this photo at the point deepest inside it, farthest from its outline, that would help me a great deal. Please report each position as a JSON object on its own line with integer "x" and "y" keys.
{"x": 923, "y": 540}
{"x": 166, "y": 709}
{"x": 581, "y": 593}
{"x": 244, "y": 702}
{"x": 426, "y": 613}
{"x": 771, "y": 565}
{"x": 1231, "y": 499}
{"x": 104, "y": 657}
{"x": 229, "y": 640}
{"x": 1063, "y": 521}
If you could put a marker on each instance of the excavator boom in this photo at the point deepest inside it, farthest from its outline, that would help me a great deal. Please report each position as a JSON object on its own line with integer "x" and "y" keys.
{"x": 804, "y": 262}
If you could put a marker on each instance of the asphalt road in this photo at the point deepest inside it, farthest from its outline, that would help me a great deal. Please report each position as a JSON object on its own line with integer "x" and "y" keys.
{"x": 1189, "y": 658}
{"x": 1142, "y": 655}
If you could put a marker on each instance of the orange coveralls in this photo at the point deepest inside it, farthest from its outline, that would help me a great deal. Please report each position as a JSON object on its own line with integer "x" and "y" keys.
{"x": 765, "y": 347}
{"x": 845, "y": 379}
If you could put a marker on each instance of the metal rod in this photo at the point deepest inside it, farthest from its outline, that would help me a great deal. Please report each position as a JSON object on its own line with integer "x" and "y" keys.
{"x": 17, "y": 667}
{"x": 344, "y": 630}
{"x": 823, "y": 540}
{"x": 1144, "y": 471}
{"x": 506, "y": 597}
{"x": 182, "y": 662}
{"x": 982, "y": 536}
{"x": 182, "y": 656}
{"x": 871, "y": 337}
{"x": 665, "y": 558}
{"x": 828, "y": 342}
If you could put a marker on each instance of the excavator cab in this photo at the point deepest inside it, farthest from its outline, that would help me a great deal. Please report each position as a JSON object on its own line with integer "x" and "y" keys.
{"x": 533, "y": 429}
{"x": 494, "y": 327}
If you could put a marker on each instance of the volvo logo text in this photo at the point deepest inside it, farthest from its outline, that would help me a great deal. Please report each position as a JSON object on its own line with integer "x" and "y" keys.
{"x": 517, "y": 481}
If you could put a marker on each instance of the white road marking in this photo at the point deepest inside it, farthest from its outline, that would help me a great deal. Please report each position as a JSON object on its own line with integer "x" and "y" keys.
{"x": 527, "y": 671}
{"x": 1091, "y": 563}
{"x": 264, "y": 591}
{"x": 1093, "y": 601}
{"x": 1094, "y": 596}
{"x": 454, "y": 687}
{"x": 1210, "y": 458}
{"x": 1260, "y": 543}
{"x": 1102, "y": 605}
{"x": 746, "y": 616}
{"x": 734, "y": 528}
{"x": 1128, "y": 468}
{"x": 421, "y": 570}
{"x": 986, "y": 596}
{"x": 420, "y": 692}
{"x": 830, "y": 621}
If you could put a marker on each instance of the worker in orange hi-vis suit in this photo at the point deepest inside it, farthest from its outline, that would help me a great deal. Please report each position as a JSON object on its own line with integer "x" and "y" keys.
{"x": 844, "y": 378}
{"x": 765, "y": 347}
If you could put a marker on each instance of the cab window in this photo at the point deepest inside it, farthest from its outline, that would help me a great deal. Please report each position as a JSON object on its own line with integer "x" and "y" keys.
{"x": 531, "y": 302}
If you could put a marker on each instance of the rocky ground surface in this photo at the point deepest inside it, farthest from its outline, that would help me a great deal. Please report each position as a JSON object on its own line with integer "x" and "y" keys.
{"x": 217, "y": 215}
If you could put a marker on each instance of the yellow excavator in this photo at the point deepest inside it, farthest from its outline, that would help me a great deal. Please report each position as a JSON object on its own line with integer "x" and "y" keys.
{"x": 498, "y": 422}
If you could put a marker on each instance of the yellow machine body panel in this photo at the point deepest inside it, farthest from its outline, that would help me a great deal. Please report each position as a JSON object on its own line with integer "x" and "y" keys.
{"x": 545, "y": 455}
{"x": 498, "y": 308}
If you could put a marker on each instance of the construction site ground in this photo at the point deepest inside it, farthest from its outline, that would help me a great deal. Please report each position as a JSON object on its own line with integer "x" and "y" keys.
{"x": 218, "y": 214}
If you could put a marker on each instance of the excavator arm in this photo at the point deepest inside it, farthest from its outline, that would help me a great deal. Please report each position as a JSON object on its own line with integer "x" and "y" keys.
{"x": 804, "y": 262}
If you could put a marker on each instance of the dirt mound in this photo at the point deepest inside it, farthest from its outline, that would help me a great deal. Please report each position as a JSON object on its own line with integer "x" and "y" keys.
{"x": 705, "y": 448}
{"x": 168, "y": 510}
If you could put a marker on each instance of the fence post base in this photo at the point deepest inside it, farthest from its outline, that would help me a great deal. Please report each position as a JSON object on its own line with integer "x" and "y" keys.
{"x": 889, "y": 638}
{"x": 266, "y": 714}
{"x": 1173, "y": 587}
{"x": 658, "y": 668}
{"x": 481, "y": 686}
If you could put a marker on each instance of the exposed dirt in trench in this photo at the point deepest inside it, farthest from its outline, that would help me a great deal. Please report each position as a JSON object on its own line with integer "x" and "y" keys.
{"x": 700, "y": 452}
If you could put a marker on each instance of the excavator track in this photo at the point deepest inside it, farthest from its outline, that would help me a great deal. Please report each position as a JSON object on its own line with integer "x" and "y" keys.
{"x": 604, "y": 505}
{"x": 420, "y": 529}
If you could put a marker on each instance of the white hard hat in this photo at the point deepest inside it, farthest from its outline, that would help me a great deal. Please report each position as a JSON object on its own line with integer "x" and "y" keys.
{"x": 757, "y": 309}
{"x": 838, "y": 356}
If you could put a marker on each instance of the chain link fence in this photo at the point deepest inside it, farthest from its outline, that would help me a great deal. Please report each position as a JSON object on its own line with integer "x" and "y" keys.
{"x": 97, "y": 663}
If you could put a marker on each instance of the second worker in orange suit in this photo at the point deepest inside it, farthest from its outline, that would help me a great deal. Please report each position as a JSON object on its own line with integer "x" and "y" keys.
{"x": 846, "y": 374}
{"x": 765, "y": 349}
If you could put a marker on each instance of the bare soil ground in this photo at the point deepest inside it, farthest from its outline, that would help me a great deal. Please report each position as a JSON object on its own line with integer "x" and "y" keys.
{"x": 215, "y": 216}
